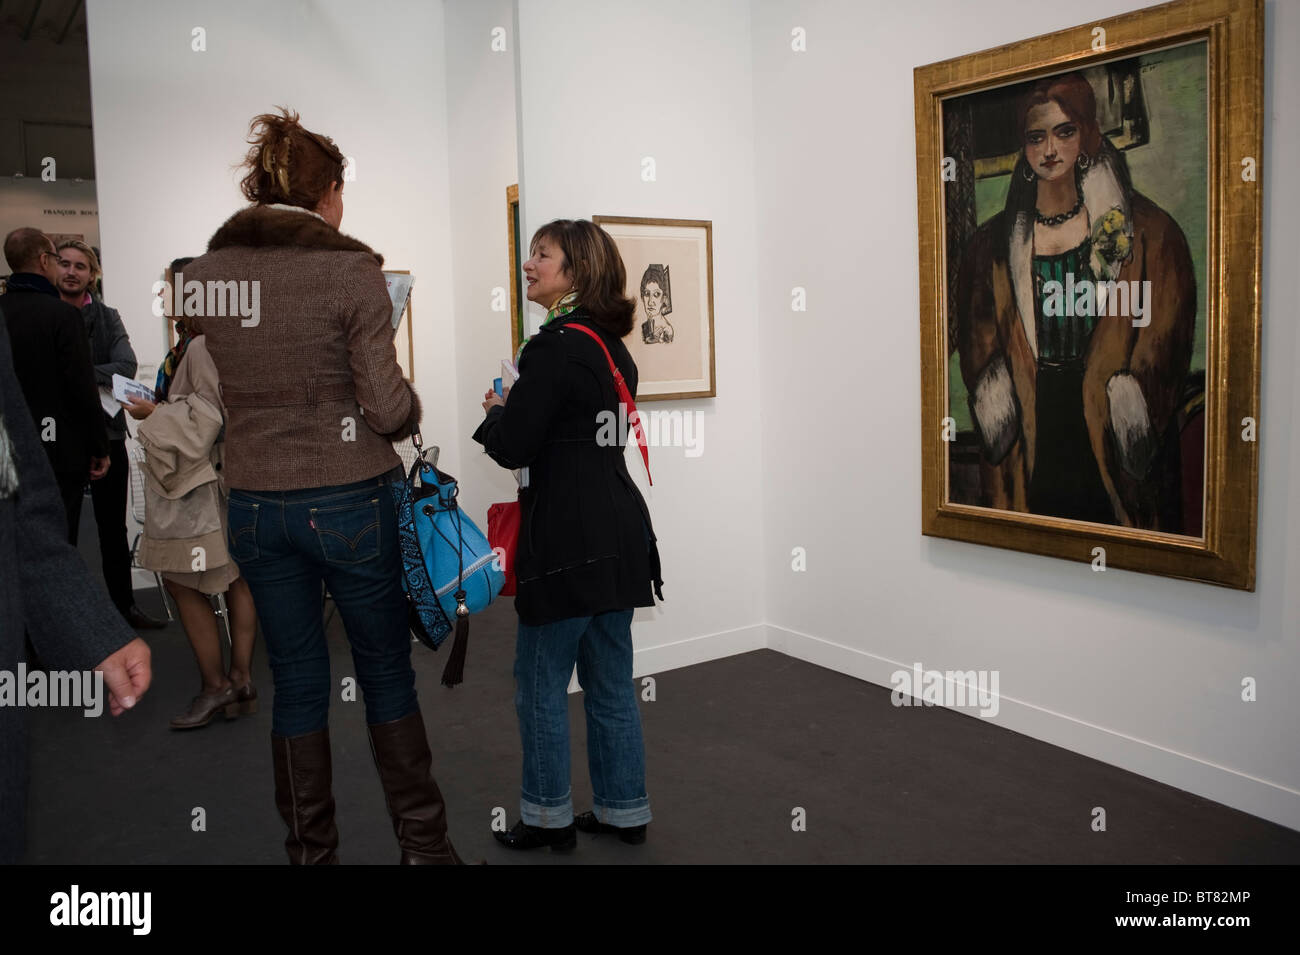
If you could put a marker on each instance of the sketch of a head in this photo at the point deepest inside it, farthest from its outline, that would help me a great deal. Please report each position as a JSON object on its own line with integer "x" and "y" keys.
{"x": 656, "y": 292}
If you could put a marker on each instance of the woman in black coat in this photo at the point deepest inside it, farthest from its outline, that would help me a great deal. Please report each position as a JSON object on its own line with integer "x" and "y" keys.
{"x": 586, "y": 554}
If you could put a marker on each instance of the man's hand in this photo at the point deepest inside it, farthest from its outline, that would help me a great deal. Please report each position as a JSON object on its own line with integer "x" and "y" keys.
{"x": 127, "y": 673}
{"x": 491, "y": 398}
{"x": 98, "y": 468}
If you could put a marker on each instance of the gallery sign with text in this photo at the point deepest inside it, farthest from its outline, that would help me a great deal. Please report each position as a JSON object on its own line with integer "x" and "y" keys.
{"x": 1090, "y": 206}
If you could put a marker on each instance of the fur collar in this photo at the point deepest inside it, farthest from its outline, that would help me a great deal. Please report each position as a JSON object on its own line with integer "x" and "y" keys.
{"x": 263, "y": 227}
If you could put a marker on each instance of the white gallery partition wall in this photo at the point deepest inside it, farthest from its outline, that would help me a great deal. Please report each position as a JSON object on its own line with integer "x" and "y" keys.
{"x": 1138, "y": 670}
{"x": 173, "y": 87}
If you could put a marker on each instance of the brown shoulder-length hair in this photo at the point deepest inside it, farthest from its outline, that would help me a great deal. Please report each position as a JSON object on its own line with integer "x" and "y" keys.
{"x": 288, "y": 163}
{"x": 599, "y": 276}
{"x": 1074, "y": 95}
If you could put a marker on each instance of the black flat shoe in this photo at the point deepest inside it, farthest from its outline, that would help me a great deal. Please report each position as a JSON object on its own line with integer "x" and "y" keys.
{"x": 524, "y": 836}
{"x": 587, "y": 822}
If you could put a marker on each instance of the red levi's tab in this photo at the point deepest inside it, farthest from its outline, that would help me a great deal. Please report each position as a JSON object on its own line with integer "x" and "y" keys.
{"x": 624, "y": 396}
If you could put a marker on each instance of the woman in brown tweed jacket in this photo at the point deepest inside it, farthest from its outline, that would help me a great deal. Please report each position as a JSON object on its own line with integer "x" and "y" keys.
{"x": 314, "y": 399}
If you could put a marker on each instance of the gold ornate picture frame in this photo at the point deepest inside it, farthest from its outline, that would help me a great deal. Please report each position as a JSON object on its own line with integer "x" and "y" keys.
{"x": 1089, "y": 206}
{"x": 518, "y": 305}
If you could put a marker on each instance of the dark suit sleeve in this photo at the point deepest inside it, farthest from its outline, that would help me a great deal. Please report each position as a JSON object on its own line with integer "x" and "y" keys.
{"x": 121, "y": 356}
{"x": 78, "y": 374}
{"x": 68, "y": 615}
{"x": 513, "y": 435}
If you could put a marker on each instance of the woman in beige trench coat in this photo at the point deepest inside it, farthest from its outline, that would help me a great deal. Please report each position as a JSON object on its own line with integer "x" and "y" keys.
{"x": 184, "y": 535}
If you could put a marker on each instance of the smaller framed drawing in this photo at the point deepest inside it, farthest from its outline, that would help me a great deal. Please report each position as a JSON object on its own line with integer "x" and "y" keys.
{"x": 404, "y": 337}
{"x": 669, "y": 266}
{"x": 518, "y": 306}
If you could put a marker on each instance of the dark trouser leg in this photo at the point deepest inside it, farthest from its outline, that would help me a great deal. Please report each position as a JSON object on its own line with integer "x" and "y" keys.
{"x": 109, "y": 497}
{"x": 72, "y": 489}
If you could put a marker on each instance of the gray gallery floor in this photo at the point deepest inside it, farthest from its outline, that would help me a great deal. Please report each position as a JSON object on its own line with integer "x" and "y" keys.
{"x": 732, "y": 748}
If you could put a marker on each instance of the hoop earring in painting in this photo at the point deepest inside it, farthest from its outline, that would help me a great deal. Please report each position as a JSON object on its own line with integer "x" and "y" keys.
{"x": 1083, "y": 162}
{"x": 1028, "y": 173}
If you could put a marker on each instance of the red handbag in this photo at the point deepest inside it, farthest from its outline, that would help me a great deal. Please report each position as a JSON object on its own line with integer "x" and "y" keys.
{"x": 503, "y": 518}
{"x": 503, "y": 538}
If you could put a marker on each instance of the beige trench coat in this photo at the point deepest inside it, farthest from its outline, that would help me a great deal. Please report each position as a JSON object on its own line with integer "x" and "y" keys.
{"x": 185, "y": 499}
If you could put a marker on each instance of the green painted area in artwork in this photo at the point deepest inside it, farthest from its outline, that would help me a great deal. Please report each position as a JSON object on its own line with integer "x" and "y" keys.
{"x": 1171, "y": 170}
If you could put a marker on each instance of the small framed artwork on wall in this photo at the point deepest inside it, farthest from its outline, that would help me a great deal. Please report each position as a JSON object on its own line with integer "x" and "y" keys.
{"x": 669, "y": 266}
{"x": 401, "y": 288}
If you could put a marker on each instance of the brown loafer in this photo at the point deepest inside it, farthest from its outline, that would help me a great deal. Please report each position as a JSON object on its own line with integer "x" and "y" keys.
{"x": 246, "y": 696}
{"x": 205, "y": 706}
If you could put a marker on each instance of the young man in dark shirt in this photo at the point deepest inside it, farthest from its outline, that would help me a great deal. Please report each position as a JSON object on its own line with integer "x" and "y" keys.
{"x": 111, "y": 354}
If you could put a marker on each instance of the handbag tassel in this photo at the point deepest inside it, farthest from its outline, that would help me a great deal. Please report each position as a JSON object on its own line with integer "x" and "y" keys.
{"x": 454, "y": 672}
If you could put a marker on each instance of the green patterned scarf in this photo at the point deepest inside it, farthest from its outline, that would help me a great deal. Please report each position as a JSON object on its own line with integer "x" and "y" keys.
{"x": 170, "y": 363}
{"x": 561, "y": 308}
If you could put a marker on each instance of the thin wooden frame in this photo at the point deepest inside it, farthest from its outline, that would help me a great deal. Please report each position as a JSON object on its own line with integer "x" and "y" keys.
{"x": 707, "y": 226}
{"x": 408, "y": 316}
{"x": 1233, "y": 33}
{"x": 514, "y": 241}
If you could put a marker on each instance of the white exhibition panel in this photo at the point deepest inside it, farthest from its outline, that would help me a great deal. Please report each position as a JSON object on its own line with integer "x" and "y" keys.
{"x": 1141, "y": 671}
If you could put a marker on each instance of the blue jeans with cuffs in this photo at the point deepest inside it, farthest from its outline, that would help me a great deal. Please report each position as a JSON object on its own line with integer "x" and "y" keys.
{"x": 601, "y": 647}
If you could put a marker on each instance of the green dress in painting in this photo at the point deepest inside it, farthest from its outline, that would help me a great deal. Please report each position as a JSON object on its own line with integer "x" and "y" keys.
{"x": 1066, "y": 481}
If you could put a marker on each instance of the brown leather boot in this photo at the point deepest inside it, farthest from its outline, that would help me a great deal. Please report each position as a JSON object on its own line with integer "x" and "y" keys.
{"x": 303, "y": 795}
{"x": 402, "y": 756}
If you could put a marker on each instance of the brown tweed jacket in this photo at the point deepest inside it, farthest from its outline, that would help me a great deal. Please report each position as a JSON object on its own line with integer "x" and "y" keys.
{"x": 313, "y": 393}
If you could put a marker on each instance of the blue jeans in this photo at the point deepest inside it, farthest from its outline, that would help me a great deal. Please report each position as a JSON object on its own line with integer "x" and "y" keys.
{"x": 601, "y": 646}
{"x": 287, "y": 543}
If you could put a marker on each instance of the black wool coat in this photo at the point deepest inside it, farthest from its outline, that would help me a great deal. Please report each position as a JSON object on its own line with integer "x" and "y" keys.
{"x": 586, "y": 544}
{"x": 46, "y": 590}
{"x": 52, "y": 360}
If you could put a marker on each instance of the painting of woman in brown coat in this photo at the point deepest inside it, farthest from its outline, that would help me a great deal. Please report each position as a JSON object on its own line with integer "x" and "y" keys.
{"x": 1076, "y": 309}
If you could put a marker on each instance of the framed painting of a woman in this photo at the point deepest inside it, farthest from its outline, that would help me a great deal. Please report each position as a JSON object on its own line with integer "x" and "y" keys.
{"x": 1090, "y": 320}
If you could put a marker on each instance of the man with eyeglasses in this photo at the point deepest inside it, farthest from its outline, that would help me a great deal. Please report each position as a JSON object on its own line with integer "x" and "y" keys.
{"x": 53, "y": 367}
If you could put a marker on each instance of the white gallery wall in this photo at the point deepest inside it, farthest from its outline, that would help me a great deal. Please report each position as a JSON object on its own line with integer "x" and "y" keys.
{"x": 482, "y": 151}
{"x": 602, "y": 86}
{"x": 1140, "y": 671}
{"x": 170, "y": 129}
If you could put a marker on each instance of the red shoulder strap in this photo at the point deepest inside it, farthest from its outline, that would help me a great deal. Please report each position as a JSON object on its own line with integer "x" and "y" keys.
{"x": 624, "y": 397}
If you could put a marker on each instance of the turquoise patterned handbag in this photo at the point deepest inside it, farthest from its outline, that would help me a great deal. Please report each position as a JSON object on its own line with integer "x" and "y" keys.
{"x": 449, "y": 570}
